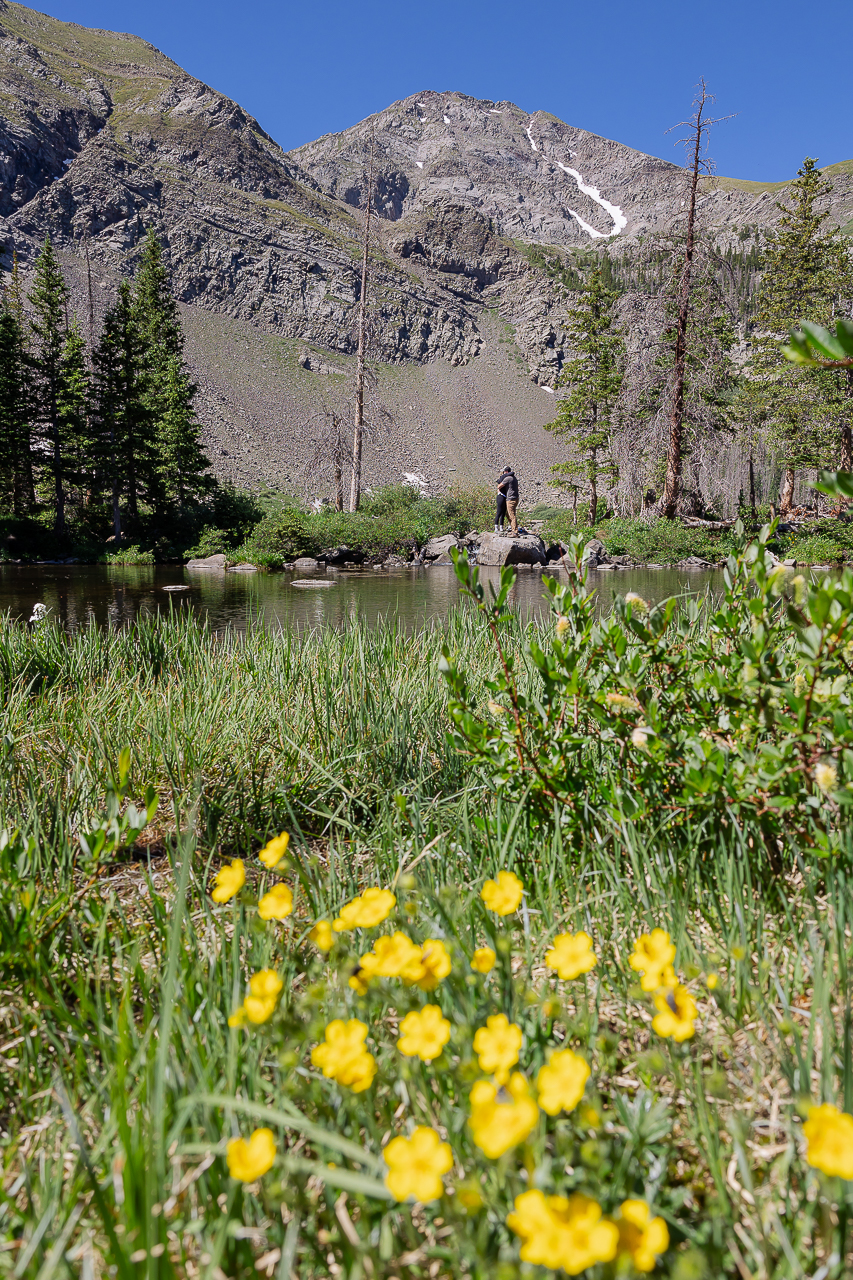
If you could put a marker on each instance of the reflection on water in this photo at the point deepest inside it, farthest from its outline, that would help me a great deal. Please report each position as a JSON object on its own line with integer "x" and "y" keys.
{"x": 78, "y": 595}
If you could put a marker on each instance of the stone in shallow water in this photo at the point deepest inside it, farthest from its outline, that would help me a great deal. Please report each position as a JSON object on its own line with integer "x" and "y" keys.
{"x": 312, "y": 582}
{"x": 179, "y": 586}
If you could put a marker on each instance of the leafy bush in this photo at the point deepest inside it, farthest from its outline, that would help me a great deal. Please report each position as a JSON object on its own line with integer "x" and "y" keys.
{"x": 129, "y": 555}
{"x": 658, "y": 542}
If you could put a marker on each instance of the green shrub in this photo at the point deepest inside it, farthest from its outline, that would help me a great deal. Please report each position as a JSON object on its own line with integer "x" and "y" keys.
{"x": 660, "y": 541}
{"x": 129, "y": 555}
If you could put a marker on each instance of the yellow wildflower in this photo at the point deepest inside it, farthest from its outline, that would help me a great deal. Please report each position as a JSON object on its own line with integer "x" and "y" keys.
{"x": 483, "y": 960}
{"x": 229, "y": 880}
{"x": 431, "y": 966}
{"x": 826, "y": 776}
{"x": 390, "y": 956}
{"x": 829, "y": 1133}
{"x": 571, "y": 954}
{"x": 366, "y": 911}
{"x": 799, "y": 684}
{"x": 637, "y": 602}
{"x": 277, "y": 904}
{"x": 676, "y": 1014}
{"x": 800, "y": 589}
{"x": 497, "y": 1045}
{"x": 321, "y": 935}
{"x": 561, "y": 1082}
{"x": 503, "y": 896}
{"x": 640, "y": 737}
{"x": 416, "y": 1164}
{"x": 496, "y": 708}
{"x": 248, "y": 1161}
{"x": 343, "y": 1057}
{"x": 238, "y": 1017}
{"x": 274, "y": 850}
{"x": 712, "y": 981}
{"x": 562, "y": 625}
{"x": 424, "y": 1033}
{"x": 641, "y": 1236}
{"x": 264, "y": 989}
{"x": 501, "y": 1118}
{"x": 652, "y": 953}
{"x": 562, "y": 1232}
{"x": 468, "y": 1195}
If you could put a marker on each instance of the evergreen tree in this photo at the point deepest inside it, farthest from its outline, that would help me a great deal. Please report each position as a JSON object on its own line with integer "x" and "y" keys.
{"x": 168, "y": 391}
{"x": 122, "y": 425}
{"x": 16, "y": 471}
{"x": 807, "y": 274}
{"x": 72, "y": 406}
{"x": 181, "y": 460}
{"x": 595, "y": 375}
{"x": 48, "y": 322}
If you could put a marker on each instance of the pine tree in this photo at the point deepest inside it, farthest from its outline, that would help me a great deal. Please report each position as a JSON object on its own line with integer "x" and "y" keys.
{"x": 181, "y": 461}
{"x": 48, "y": 322}
{"x": 168, "y": 392}
{"x": 122, "y": 425}
{"x": 807, "y": 273}
{"x": 15, "y": 404}
{"x": 595, "y": 376}
{"x": 72, "y": 406}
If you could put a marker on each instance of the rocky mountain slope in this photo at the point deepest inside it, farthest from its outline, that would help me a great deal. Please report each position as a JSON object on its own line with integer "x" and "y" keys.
{"x": 101, "y": 136}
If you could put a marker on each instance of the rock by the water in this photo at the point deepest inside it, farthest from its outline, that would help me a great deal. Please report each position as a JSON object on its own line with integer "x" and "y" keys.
{"x": 209, "y": 562}
{"x": 696, "y": 562}
{"x": 595, "y": 554}
{"x": 243, "y": 568}
{"x": 312, "y": 582}
{"x": 395, "y": 562}
{"x": 498, "y": 550}
{"x": 305, "y": 564}
{"x": 439, "y": 548}
{"x": 341, "y": 555}
{"x": 178, "y": 586}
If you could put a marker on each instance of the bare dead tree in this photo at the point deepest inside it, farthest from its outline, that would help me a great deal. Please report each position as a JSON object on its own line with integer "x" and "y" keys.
{"x": 698, "y": 127}
{"x": 358, "y": 435}
{"x": 330, "y": 453}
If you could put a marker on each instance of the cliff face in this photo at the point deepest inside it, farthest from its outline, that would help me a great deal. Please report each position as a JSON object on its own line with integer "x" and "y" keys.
{"x": 102, "y": 136}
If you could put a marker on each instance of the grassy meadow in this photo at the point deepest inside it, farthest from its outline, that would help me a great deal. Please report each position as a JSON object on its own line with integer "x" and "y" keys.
{"x": 212, "y": 1066}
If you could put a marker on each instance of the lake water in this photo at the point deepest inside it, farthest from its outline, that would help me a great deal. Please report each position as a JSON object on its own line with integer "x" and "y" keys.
{"x": 79, "y": 595}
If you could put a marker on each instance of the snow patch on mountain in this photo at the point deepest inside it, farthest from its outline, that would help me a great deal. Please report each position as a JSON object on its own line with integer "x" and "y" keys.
{"x": 619, "y": 219}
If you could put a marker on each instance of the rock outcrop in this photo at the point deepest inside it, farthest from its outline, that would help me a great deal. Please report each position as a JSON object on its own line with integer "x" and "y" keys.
{"x": 498, "y": 549}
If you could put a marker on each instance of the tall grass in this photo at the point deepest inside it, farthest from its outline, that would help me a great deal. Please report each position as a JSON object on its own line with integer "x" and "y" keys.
{"x": 118, "y": 976}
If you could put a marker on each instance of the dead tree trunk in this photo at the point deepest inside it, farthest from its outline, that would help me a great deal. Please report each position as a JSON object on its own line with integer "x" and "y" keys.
{"x": 338, "y": 460}
{"x": 672, "y": 486}
{"x": 786, "y": 493}
{"x": 751, "y": 485}
{"x": 358, "y": 435}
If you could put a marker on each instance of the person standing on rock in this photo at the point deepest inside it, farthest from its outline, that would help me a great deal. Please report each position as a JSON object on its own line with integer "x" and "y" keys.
{"x": 508, "y": 490}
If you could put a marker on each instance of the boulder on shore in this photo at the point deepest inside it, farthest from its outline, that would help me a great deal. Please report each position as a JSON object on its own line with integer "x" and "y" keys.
{"x": 209, "y": 562}
{"x": 306, "y": 563}
{"x": 594, "y": 554}
{"x": 496, "y": 549}
{"x": 439, "y": 548}
{"x": 341, "y": 555}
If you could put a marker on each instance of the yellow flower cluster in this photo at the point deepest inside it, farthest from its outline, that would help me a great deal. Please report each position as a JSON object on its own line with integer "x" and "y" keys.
{"x": 652, "y": 957}
{"x": 366, "y": 911}
{"x": 322, "y": 936}
{"x": 501, "y": 1117}
{"x": 571, "y": 954}
{"x": 571, "y": 1233}
{"x": 229, "y": 881}
{"x": 563, "y": 1232}
{"x": 677, "y": 1011}
{"x": 503, "y": 896}
{"x": 619, "y": 700}
{"x": 396, "y": 956}
{"x": 248, "y": 1161}
{"x": 259, "y": 1005}
{"x": 416, "y": 1164}
{"x": 829, "y": 1133}
{"x": 342, "y": 1056}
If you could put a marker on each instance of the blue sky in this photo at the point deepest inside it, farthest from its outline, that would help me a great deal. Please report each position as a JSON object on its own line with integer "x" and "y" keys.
{"x": 622, "y": 69}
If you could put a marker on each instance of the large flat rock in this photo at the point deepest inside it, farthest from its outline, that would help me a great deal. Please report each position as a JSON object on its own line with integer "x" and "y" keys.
{"x": 496, "y": 549}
